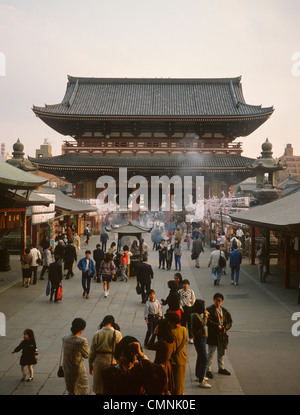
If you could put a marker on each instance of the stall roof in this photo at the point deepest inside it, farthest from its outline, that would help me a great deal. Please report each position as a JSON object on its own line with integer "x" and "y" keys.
{"x": 67, "y": 203}
{"x": 13, "y": 178}
{"x": 283, "y": 214}
{"x": 129, "y": 229}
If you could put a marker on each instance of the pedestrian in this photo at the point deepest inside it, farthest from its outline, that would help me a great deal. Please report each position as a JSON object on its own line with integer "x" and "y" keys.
{"x": 247, "y": 251}
{"x": 178, "y": 280}
{"x": 162, "y": 254}
{"x": 29, "y": 355}
{"x": 199, "y": 321}
{"x": 47, "y": 259}
{"x": 179, "y": 355}
{"x": 218, "y": 323}
{"x": 36, "y": 261}
{"x": 187, "y": 301}
{"x": 26, "y": 261}
{"x": 173, "y": 299}
{"x": 98, "y": 256}
{"x": 163, "y": 348}
{"x": 154, "y": 234}
{"x": 152, "y": 314}
{"x": 178, "y": 235}
{"x": 263, "y": 258}
{"x": 197, "y": 248}
{"x": 125, "y": 263}
{"x": 70, "y": 258}
{"x": 214, "y": 263}
{"x": 144, "y": 277}
{"x": 103, "y": 240}
{"x": 102, "y": 351}
{"x": 145, "y": 248}
{"x": 87, "y": 233}
{"x": 55, "y": 277}
{"x": 177, "y": 254}
{"x": 87, "y": 267}
{"x": 107, "y": 271}
{"x": 235, "y": 260}
{"x": 77, "y": 243}
{"x": 112, "y": 249}
{"x": 169, "y": 257}
{"x": 59, "y": 250}
{"x": 75, "y": 350}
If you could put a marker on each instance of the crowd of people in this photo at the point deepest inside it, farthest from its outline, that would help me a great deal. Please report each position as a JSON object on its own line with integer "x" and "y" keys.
{"x": 116, "y": 362}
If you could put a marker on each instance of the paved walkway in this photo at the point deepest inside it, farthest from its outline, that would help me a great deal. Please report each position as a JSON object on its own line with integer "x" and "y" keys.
{"x": 260, "y": 314}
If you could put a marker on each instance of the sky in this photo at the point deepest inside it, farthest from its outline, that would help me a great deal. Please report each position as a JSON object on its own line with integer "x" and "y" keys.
{"x": 42, "y": 42}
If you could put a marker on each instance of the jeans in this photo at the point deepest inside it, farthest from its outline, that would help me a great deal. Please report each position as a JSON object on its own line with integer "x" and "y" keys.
{"x": 210, "y": 354}
{"x": 235, "y": 269}
{"x": 216, "y": 274}
{"x": 152, "y": 323}
{"x": 86, "y": 282}
{"x": 177, "y": 262}
{"x": 201, "y": 362}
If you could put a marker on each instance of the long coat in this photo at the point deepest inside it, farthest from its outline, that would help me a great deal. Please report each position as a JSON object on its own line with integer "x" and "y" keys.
{"x": 75, "y": 350}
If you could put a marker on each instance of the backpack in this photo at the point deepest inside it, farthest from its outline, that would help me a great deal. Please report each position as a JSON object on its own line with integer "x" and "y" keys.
{"x": 222, "y": 261}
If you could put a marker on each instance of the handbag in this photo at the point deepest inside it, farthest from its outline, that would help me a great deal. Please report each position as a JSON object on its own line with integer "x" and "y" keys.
{"x": 60, "y": 372}
{"x": 138, "y": 289}
{"x": 48, "y": 288}
{"x": 59, "y": 293}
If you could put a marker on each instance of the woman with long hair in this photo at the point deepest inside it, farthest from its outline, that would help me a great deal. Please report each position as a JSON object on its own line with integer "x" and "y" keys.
{"x": 107, "y": 270}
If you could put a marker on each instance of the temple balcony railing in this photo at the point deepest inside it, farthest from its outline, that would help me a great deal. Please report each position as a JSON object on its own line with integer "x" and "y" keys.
{"x": 150, "y": 147}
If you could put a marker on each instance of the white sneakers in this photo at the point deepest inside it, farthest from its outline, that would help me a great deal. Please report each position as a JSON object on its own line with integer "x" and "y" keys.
{"x": 106, "y": 294}
{"x": 204, "y": 384}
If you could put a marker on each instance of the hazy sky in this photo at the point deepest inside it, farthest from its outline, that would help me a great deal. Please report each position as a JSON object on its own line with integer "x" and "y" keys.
{"x": 44, "y": 41}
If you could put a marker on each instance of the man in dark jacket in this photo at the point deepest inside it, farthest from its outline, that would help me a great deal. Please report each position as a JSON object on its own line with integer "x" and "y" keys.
{"x": 144, "y": 276}
{"x": 55, "y": 277}
{"x": 197, "y": 248}
{"x": 103, "y": 240}
{"x": 218, "y": 323}
{"x": 70, "y": 257}
{"x": 98, "y": 256}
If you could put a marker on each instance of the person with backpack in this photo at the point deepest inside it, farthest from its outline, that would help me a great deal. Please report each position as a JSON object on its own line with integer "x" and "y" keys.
{"x": 217, "y": 261}
{"x": 235, "y": 261}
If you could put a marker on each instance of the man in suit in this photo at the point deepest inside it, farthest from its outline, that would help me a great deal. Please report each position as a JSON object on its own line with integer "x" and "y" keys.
{"x": 98, "y": 256}
{"x": 55, "y": 277}
{"x": 144, "y": 276}
{"x": 70, "y": 257}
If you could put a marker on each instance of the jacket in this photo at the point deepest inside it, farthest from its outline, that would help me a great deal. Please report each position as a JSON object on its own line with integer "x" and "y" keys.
{"x": 55, "y": 275}
{"x": 91, "y": 269}
{"x": 214, "y": 258}
{"x": 144, "y": 273}
{"x": 70, "y": 253}
{"x": 217, "y": 337}
{"x": 197, "y": 247}
{"x": 235, "y": 258}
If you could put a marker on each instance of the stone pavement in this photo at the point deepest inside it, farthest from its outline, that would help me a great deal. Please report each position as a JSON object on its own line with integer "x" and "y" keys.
{"x": 261, "y": 321}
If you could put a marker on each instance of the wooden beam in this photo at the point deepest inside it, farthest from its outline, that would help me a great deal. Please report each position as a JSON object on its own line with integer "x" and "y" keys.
{"x": 253, "y": 253}
{"x": 287, "y": 265}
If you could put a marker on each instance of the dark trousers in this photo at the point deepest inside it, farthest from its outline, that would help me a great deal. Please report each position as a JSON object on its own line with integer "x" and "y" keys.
{"x": 86, "y": 282}
{"x": 53, "y": 290}
{"x": 186, "y": 319}
{"x": 145, "y": 288}
{"x": 152, "y": 323}
{"x": 201, "y": 362}
{"x": 162, "y": 261}
{"x": 34, "y": 273}
{"x": 98, "y": 275}
{"x": 44, "y": 269}
{"x": 69, "y": 267}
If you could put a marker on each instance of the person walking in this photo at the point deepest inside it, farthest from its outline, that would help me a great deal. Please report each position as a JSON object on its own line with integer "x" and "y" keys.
{"x": 103, "y": 240}
{"x": 87, "y": 233}
{"x": 77, "y": 243}
{"x": 144, "y": 277}
{"x": 218, "y": 324}
{"x": 75, "y": 349}
{"x": 29, "y": 355}
{"x": 55, "y": 276}
{"x": 87, "y": 267}
{"x": 47, "y": 259}
{"x": 235, "y": 260}
{"x": 162, "y": 254}
{"x": 263, "y": 258}
{"x": 173, "y": 299}
{"x": 170, "y": 250}
{"x": 177, "y": 254}
{"x": 187, "y": 301}
{"x": 36, "y": 261}
{"x": 199, "y": 321}
{"x": 59, "y": 250}
{"x": 26, "y": 261}
{"x": 197, "y": 248}
{"x": 107, "y": 271}
{"x": 214, "y": 263}
{"x": 152, "y": 314}
{"x": 179, "y": 355}
{"x": 70, "y": 257}
{"x": 98, "y": 256}
{"x": 102, "y": 351}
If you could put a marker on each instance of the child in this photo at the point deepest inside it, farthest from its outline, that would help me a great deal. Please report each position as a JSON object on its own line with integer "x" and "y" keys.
{"x": 162, "y": 254}
{"x": 152, "y": 314}
{"x": 29, "y": 353}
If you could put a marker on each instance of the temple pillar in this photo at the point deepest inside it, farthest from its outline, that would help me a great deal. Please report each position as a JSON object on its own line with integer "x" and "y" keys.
{"x": 89, "y": 187}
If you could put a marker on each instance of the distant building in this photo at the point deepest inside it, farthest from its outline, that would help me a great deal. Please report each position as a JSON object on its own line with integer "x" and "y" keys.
{"x": 292, "y": 163}
{"x": 45, "y": 149}
{"x": 3, "y": 152}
